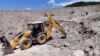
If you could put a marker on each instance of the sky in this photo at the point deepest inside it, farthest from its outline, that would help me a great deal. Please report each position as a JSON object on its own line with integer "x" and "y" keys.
{"x": 35, "y": 4}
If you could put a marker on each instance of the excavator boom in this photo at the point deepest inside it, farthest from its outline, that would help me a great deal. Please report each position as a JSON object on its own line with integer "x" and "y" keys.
{"x": 56, "y": 25}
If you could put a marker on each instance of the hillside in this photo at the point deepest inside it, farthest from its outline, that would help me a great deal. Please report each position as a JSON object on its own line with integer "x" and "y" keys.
{"x": 77, "y": 4}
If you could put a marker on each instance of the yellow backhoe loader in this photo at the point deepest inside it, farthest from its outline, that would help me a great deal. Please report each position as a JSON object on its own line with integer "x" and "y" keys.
{"x": 37, "y": 31}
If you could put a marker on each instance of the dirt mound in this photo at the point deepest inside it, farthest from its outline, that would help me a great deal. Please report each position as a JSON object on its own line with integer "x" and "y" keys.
{"x": 44, "y": 50}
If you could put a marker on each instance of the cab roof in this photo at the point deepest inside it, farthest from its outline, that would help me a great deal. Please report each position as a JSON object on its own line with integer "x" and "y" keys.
{"x": 35, "y": 22}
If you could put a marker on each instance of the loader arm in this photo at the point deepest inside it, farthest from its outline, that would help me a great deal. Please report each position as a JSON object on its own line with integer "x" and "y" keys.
{"x": 14, "y": 42}
{"x": 56, "y": 25}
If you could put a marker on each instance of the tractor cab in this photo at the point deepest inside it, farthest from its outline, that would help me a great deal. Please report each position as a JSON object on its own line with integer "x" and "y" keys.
{"x": 36, "y": 27}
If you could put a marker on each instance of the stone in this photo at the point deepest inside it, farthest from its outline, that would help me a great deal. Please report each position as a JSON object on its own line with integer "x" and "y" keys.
{"x": 78, "y": 53}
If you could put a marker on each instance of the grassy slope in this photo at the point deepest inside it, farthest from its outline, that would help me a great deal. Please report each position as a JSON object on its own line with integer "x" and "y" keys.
{"x": 77, "y": 4}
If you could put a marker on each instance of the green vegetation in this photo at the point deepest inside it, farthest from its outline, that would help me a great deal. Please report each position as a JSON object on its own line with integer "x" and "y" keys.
{"x": 77, "y": 4}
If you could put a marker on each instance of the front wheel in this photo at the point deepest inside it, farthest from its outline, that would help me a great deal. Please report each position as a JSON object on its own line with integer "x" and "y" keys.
{"x": 25, "y": 43}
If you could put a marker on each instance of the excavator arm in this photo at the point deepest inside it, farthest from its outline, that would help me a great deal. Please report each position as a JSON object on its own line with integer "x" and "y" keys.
{"x": 56, "y": 25}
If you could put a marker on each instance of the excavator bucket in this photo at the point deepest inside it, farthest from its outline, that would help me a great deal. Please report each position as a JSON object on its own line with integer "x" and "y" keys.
{"x": 4, "y": 41}
{"x": 5, "y": 46}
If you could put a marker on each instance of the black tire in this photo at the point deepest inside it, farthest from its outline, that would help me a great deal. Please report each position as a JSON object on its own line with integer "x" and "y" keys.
{"x": 25, "y": 43}
{"x": 41, "y": 39}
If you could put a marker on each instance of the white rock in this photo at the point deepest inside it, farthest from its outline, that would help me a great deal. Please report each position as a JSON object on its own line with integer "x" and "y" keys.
{"x": 78, "y": 53}
{"x": 97, "y": 53}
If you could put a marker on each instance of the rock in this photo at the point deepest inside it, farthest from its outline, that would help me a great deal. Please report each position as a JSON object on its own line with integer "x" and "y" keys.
{"x": 67, "y": 44}
{"x": 97, "y": 52}
{"x": 91, "y": 53}
{"x": 78, "y": 53}
{"x": 1, "y": 34}
{"x": 88, "y": 42}
{"x": 1, "y": 49}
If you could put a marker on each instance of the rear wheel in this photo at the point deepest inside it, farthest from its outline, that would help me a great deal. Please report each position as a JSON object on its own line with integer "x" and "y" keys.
{"x": 25, "y": 43}
{"x": 41, "y": 39}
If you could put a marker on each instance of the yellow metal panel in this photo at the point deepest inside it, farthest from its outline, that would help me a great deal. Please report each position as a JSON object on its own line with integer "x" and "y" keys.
{"x": 49, "y": 31}
{"x": 15, "y": 42}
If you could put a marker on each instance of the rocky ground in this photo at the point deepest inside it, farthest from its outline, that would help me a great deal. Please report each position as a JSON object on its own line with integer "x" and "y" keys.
{"x": 83, "y": 33}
